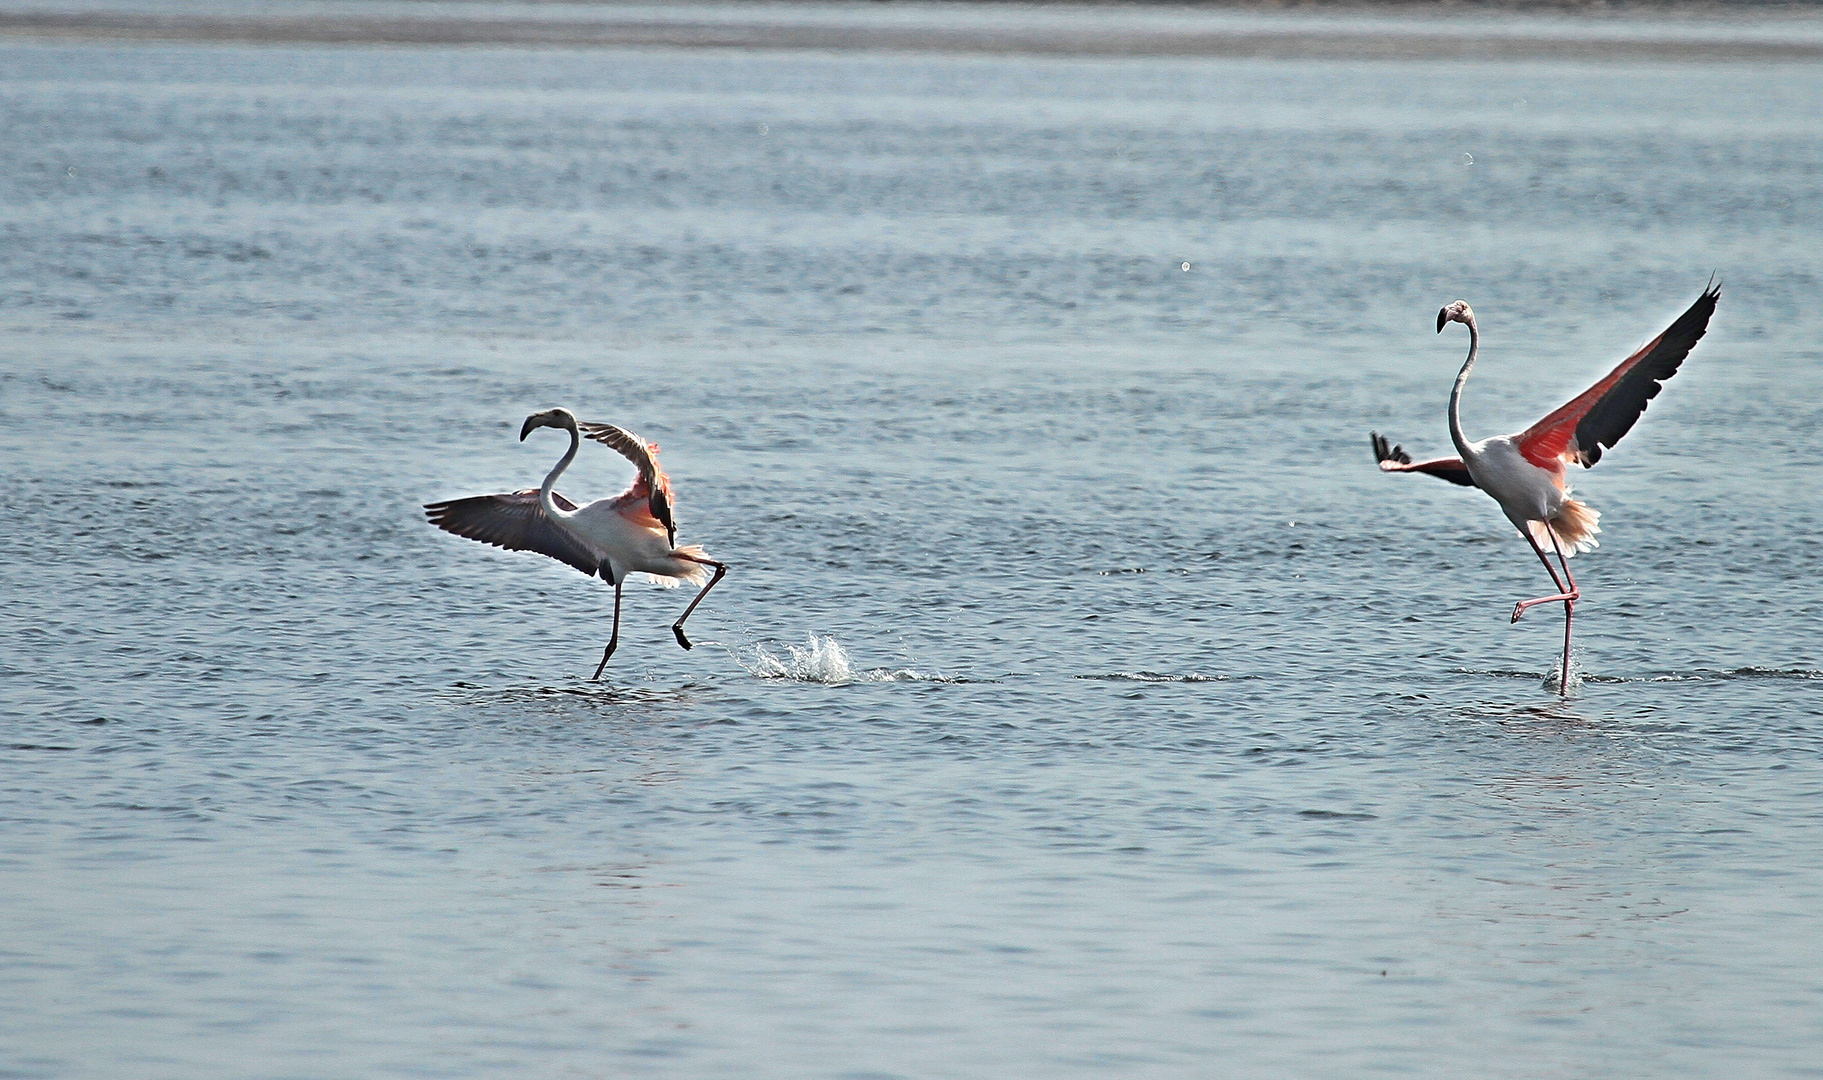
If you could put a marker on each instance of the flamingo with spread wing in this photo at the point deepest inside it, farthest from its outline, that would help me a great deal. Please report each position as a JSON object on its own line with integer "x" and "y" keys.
{"x": 632, "y": 533}
{"x": 1524, "y": 473}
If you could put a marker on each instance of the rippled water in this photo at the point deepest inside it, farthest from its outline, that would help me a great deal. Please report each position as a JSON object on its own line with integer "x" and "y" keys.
{"x": 1081, "y": 701}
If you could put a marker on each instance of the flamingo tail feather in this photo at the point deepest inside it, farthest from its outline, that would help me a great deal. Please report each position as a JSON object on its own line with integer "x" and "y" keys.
{"x": 1575, "y": 524}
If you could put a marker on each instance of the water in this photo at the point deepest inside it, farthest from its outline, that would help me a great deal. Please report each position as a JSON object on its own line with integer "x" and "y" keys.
{"x": 1081, "y": 701}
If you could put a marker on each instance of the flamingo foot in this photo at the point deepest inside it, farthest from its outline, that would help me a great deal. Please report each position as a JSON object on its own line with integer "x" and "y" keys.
{"x": 681, "y": 639}
{"x": 1563, "y": 598}
{"x": 605, "y": 653}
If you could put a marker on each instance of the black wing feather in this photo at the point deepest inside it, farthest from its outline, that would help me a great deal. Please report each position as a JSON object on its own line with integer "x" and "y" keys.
{"x": 516, "y": 522}
{"x": 1385, "y": 451}
{"x": 1616, "y": 412}
{"x": 1448, "y": 469}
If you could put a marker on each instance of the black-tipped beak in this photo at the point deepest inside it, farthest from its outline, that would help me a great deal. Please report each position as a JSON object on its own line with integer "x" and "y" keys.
{"x": 1443, "y": 316}
{"x": 529, "y": 427}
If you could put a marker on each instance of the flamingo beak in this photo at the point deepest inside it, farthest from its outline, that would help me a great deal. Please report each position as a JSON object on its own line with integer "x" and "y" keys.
{"x": 532, "y": 423}
{"x": 1443, "y": 317}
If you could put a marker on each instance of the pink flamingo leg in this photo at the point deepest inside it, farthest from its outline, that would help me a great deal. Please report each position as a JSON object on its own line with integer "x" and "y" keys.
{"x": 721, "y": 569}
{"x": 1569, "y": 610}
{"x": 613, "y": 639}
{"x": 1568, "y": 595}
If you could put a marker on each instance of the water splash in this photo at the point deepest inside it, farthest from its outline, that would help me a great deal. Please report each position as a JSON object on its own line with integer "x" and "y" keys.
{"x": 819, "y": 659}
{"x": 822, "y": 660}
{"x": 1551, "y": 679}
{"x": 1554, "y": 680}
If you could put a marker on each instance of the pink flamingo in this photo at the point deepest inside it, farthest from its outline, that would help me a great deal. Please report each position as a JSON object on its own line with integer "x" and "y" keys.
{"x": 632, "y": 533}
{"x": 1524, "y": 473}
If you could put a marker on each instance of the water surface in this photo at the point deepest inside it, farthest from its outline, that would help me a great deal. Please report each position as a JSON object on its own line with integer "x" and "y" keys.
{"x": 1081, "y": 701}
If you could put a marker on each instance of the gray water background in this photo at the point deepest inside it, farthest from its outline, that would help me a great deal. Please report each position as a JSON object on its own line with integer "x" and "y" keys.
{"x": 1081, "y": 702}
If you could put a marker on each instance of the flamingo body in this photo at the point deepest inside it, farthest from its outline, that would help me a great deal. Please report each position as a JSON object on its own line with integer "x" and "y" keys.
{"x": 1531, "y": 496}
{"x": 627, "y": 540}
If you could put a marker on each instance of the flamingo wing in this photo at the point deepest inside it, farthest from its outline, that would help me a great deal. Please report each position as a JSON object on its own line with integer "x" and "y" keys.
{"x": 1600, "y": 415}
{"x": 644, "y": 456}
{"x": 516, "y": 522}
{"x": 1395, "y": 459}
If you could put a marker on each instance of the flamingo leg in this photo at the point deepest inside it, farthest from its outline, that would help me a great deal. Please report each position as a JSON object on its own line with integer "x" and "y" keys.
{"x": 614, "y": 638}
{"x": 1565, "y": 593}
{"x": 1569, "y": 609}
{"x": 1568, "y": 593}
{"x": 721, "y": 569}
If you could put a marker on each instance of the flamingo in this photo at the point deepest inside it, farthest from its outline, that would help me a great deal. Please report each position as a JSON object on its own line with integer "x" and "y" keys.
{"x": 632, "y": 533}
{"x": 1524, "y": 472}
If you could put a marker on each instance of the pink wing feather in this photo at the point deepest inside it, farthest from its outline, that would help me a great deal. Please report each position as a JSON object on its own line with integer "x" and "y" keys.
{"x": 1600, "y": 415}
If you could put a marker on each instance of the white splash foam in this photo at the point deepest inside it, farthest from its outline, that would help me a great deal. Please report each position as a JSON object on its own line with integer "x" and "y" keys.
{"x": 821, "y": 660}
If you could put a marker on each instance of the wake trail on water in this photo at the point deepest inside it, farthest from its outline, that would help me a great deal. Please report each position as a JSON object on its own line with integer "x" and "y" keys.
{"x": 821, "y": 660}
{"x": 1153, "y": 676}
{"x": 1577, "y": 677}
{"x": 604, "y": 692}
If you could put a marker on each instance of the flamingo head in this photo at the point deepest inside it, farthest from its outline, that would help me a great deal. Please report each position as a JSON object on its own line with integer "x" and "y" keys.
{"x": 1457, "y": 311}
{"x": 557, "y": 418}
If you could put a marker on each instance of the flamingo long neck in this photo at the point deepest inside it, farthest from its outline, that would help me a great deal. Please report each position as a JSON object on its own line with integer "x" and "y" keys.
{"x": 1462, "y": 377}
{"x": 544, "y": 493}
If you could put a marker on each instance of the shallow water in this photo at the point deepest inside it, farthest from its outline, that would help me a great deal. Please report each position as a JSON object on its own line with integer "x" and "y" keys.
{"x": 1081, "y": 701}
